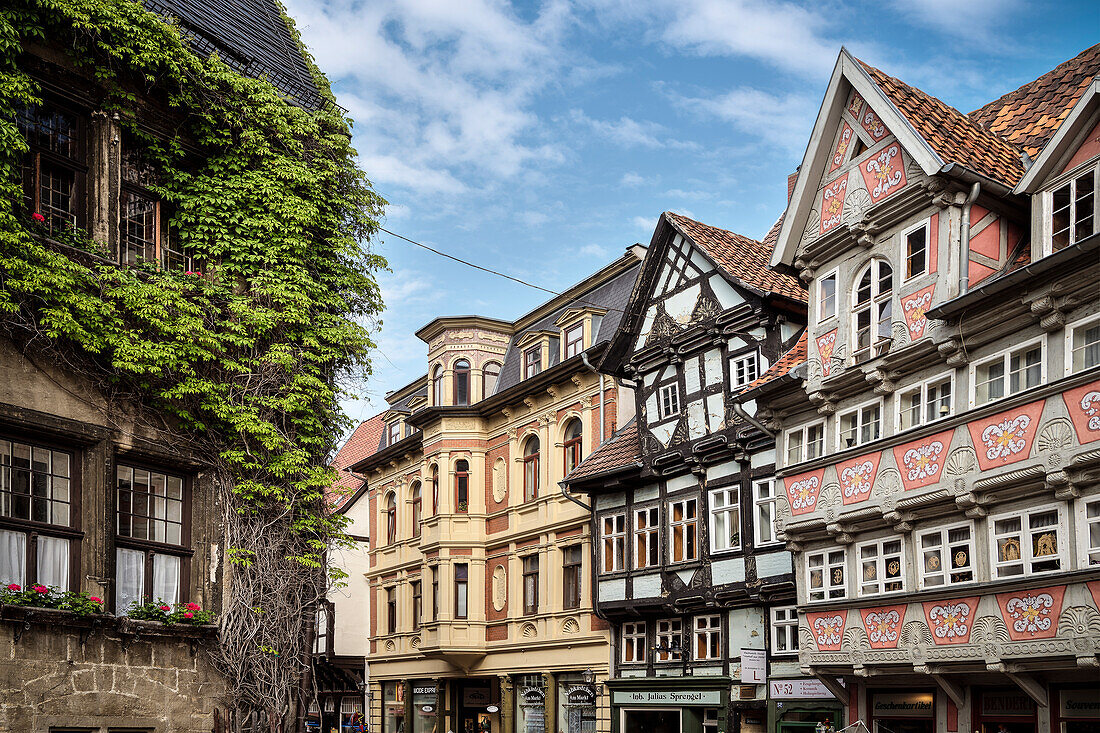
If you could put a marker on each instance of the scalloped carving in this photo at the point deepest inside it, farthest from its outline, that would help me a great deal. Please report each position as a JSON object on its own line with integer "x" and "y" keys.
{"x": 838, "y": 362}
{"x": 415, "y": 643}
{"x": 990, "y": 629}
{"x": 813, "y": 226}
{"x": 829, "y": 498}
{"x": 1056, "y": 435}
{"x": 806, "y": 639}
{"x": 571, "y": 626}
{"x": 1079, "y": 621}
{"x": 899, "y": 333}
{"x": 813, "y": 370}
{"x": 855, "y": 638}
{"x": 915, "y": 633}
{"x": 529, "y": 631}
{"x": 856, "y": 202}
{"x": 961, "y": 462}
{"x": 390, "y": 646}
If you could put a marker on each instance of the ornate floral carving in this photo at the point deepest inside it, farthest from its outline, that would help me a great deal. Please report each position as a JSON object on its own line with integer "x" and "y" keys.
{"x": 951, "y": 621}
{"x": 802, "y": 491}
{"x": 883, "y": 625}
{"x": 827, "y": 629}
{"x": 884, "y": 172}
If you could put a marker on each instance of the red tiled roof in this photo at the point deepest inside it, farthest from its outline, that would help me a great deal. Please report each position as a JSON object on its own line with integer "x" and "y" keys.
{"x": 362, "y": 443}
{"x": 618, "y": 451}
{"x": 794, "y": 356}
{"x": 1029, "y": 116}
{"x": 745, "y": 259}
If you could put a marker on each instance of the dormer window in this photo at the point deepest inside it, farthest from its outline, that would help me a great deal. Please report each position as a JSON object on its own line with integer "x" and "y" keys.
{"x": 871, "y": 312}
{"x": 462, "y": 382}
{"x": 394, "y": 432}
{"x": 489, "y": 375}
{"x": 574, "y": 339}
{"x": 532, "y": 362}
{"x": 744, "y": 368}
{"x": 1073, "y": 210}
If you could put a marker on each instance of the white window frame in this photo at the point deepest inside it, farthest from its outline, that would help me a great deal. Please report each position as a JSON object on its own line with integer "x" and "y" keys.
{"x": 904, "y": 247}
{"x": 684, "y": 522}
{"x": 858, "y": 411}
{"x": 881, "y": 567}
{"x": 1027, "y": 559}
{"x": 821, "y": 298}
{"x": 827, "y": 567}
{"x": 922, "y": 388}
{"x": 943, "y": 533}
{"x": 565, "y": 332}
{"x": 1079, "y": 325}
{"x": 759, "y": 502}
{"x": 1005, "y": 356}
{"x": 717, "y": 508}
{"x": 617, "y": 536}
{"x": 750, "y": 362}
{"x": 784, "y": 624}
{"x": 1084, "y": 523}
{"x": 878, "y": 304}
{"x": 667, "y": 630}
{"x": 707, "y": 629}
{"x": 804, "y": 432}
{"x": 648, "y": 537}
{"x": 1068, "y": 179}
{"x": 666, "y": 408}
{"x": 636, "y": 631}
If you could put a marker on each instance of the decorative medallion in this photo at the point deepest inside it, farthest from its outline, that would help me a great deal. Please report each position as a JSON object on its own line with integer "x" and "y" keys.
{"x": 874, "y": 126}
{"x": 802, "y": 490}
{"x": 855, "y": 104}
{"x": 951, "y": 621}
{"x": 827, "y": 628}
{"x": 1032, "y": 614}
{"x": 884, "y": 172}
{"x": 915, "y": 306}
{"x": 500, "y": 587}
{"x": 500, "y": 480}
{"x": 1083, "y": 404}
{"x": 920, "y": 462}
{"x": 1005, "y": 437}
{"x": 883, "y": 625}
{"x": 825, "y": 345}
{"x": 857, "y": 477}
{"x": 832, "y": 203}
{"x": 842, "y": 143}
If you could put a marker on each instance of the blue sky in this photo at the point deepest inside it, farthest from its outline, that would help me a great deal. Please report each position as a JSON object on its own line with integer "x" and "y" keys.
{"x": 542, "y": 139}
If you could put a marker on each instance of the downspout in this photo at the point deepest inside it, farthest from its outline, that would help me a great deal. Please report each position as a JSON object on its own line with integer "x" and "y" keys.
{"x": 964, "y": 238}
{"x": 587, "y": 363}
{"x": 570, "y": 497}
{"x": 740, "y": 412}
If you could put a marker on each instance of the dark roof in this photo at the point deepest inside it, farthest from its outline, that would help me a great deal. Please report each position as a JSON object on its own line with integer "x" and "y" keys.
{"x": 621, "y": 450}
{"x": 251, "y": 36}
{"x": 1029, "y": 116}
{"x": 742, "y": 258}
{"x": 362, "y": 443}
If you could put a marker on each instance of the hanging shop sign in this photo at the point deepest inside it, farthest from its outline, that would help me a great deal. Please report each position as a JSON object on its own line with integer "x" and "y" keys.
{"x": 754, "y": 665}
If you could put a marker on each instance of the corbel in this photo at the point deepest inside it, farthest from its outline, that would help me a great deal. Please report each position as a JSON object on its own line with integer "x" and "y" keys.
{"x": 805, "y": 269}
{"x": 530, "y": 402}
{"x": 795, "y": 546}
{"x": 552, "y": 390}
{"x": 1062, "y": 485}
{"x": 576, "y": 380}
{"x": 864, "y": 232}
{"x": 825, "y": 402}
{"x": 953, "y": 353}
{"x": 840, "y": 532}
{"x": 882, "y": 379}
{"x": 1029, "y": 685}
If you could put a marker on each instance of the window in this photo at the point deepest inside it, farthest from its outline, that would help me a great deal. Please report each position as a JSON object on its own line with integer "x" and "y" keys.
{"x": 38, "y": 540}
{"x": 532, "y": 362}
{"x": 435, "y": 593}
{"x": 1089, "y": 532}
{"x": 462, "y": 486}
{"x": 947, "y": 556}
{"x": 613, "y": 537}
{"x": 391, "y": 610}
{"x": 743, "y": 369}
{"x": 394, "y": 432}
{"x": 826, "y": 296}
{"x": 435, "y": 490}
{"x": 1027, "y": 542}
{"x": 1008, "y": 373}
{"x": 825, "y": 573}
{"x": 683, "y": 518}
{"x": 914, "y": 250}
{"x": 417, "y": 605}
{"x": 574, "y": 339}
{"x": 437, "y": 385}
{"x": 646, "y": 545}
{"x": 572, "y": 567}
{"x": 873, "y": 297}
{"x": 531, "y": 469}
{"x": 53, "y": 168}
{"x": 669, "y": 639}
{"x": 462, "y": 382}
{"x": 805, "y": 443}
{"x": 320, "y": 631}
{"x": 151, "y": 558}
{"x": 531, "y": 584}
{"x": 670, "y": 400}
{"x": 764, "y": 498}
{"x": 1073, "y": 211}
{"x": 784, "y": 630}
{"x": 1083, "y": 345}
{"x": 573, "y": 440}
{"x": 417, "y": 505}
{"x": 490, "y": 373}
{"x": 861, "y": 425}
{"x": 708, "y": 637}
{"x": 925, "y": 403}
{"x": 634, "y": 642}
{"x": 710, "y": 720}
{"x": 881, "y": 567}
{"x": 462, "y": 585}
{"x": 391, "y": 518}
{"x": 725, "y": 519}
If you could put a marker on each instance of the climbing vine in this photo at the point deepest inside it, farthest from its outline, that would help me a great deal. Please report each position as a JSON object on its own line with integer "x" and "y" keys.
{"x": 242, "y": 362}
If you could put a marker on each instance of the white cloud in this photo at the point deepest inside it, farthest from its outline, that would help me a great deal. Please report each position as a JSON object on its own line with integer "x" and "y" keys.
{"x": 625, "y": 131}
{"x": 784, "y": 121}
{"x": 645, "y": 222}
{"x": 631, "y": 179}
{"x": 973, "y": 20}
{"x": 679, "y": 193}
{"x": 533, "y": 218}
{"x": 594, "y": 250}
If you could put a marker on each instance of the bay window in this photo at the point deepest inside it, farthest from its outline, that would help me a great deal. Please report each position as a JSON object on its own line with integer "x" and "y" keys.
{"x": 462, "y": 486}
{"x": 805, "y": 443}
{"x": 1089, "y": 532}
{"x": 925, "y": 403}
{"x": 826, "y": 296}
{"x": 461, "y": 382}
{"x": 1008, "y": 372}
{"x": 1073, "y": 211}
{"x": 860, "y": 426}
{"x": 152, "y": 554}
{"x": 1083, "y": 344}
{"x": 462, "y": 587}
{"x": 825, "y": 575}
{"x": 946, "y": 556}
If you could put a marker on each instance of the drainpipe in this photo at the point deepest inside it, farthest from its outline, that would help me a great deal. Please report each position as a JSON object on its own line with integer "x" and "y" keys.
{"x": 751, "y": 420}
{"x": 964, "y": 239}
{"x": 575, "y": 500}
{"x": 587, "y": 363}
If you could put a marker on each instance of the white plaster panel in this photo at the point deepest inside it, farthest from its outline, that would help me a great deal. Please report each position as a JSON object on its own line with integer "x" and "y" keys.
{"x": 685, "y": 576}
{"x": 700, "y": 261}
{"x": 699, "y": 671}
{"x": 669, "y": 372}
{"x": 647, "y": 324}
{"x": 681, "y": 482}
{"x": 774, "y": 563}
{"x": 691, "y": 375}
{"x": 681, "y": 305}
{"x": 646, "y": 493}
{"x": 713, "y": 364}
{"x": 697, "y": 421}
{"x": 609, "y": 501}
{"x": 722, "y": 470}
{"x": 749, "y": 407}
{"x": 746, "y": 630}
{"x": 652, "y": 415}
{"x": 758, "y": 333}
{"x": 663, "y": 432}
{"x": 762, "y": 458}
{"x": 736, "y": 342}
{"x": 716, "y": 412}
{"x": 649, "y": 379}
{"x": 727, "y": 296}
{"x": 613, "y": 590}
{"x": 788, "y": 329}
{"x": 632, "y": 673}
{"x": 662, "y": 282}
{"x": 728, "y": 571}
{"x": 647, "y": 586}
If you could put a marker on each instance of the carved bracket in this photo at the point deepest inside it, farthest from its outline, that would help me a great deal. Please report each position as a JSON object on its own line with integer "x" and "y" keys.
{"x": 864, "y": 233}
{"x": 826, "y": 403}
{"x": 882, "y": 379}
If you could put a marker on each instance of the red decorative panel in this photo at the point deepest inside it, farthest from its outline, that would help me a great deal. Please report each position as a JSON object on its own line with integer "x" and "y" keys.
{"x": 873, "y": 125}
{"x": 1083, "y": 405}
{"x": 883, "y": 625}
{"x": 920, "y": 462}
{"x": 1032, "y": 614}
{"x": 883, "y": 173}
{"x": 842, "y": 144}
{"x": 825, "y": 345}
{"x": 828, "y": 629}
{"x": 855, "y": 104}
{"x": 979, "y": 272}
{"x": 1094, "y": 589}
{"x": 1007, "y": 436}
{"x": 987, "y": 242}
{"x": 933, "y": 242}
{"x": 802, "y": 490}
{"x": 857, "y": 477}
{"x": 951, "y": 621}
{"x": 914, "y": 307}
{"x": 832, "y": 203}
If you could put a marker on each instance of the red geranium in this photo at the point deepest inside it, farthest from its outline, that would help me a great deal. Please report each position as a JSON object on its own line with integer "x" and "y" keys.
{"x": 193, "y": 607}
{"x": 188, "y": 614}
{"x": 164, "y": 608}
{"x": 14, "y": 586}
{"x": 41, "y": 589}
{"x": 95, "y": 599}
{"x": 38, "y": 217}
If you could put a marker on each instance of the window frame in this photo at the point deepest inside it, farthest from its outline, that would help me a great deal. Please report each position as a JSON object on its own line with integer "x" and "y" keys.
{"x": 858, "y": 411}
{"x": 531, "y": 467}
{"x": 786, "y": 627}
{"x": 827, "y": 568}
{"x": 634, "y": 631}
{"x": 822, "y": 299}
{"x": 647, "y": 537}
{"x": 1071, "y": 329}
{"x": 674, "y": 630}
{"x": 880, "y": 561}
{"x": 1005, "y": 357}
{"x": 462, "y": 599}
{"x": 417, "y": 507}
{"x": 437, "y": 385}
{"x": 922, "y": 387}
{"x": 708, "y": 629}
{"x": 490, "y": 375}
{"x": 733, "y": 508}
{"x": 666, "y": 407}
{"x": 879, "y": 305}
{"x": 393, "y": 432}
{"x": 804, "y": 432}
{"x": 946, "y": 551}
{"x": 75, "y": 163}
{"x": 1085, "y": 548}
{"x": 460, "y": 377}
{"x": 615, "y": 538}
{"x": 572, "y": 447}
{"x": 1027, "y": 559}
{"x": 905, "y": 255}
{"x": 568, "y": 341}
{"x": 690, "y": 532}
{"x": 532, "y": 361}
{"x": 531, "y": 576}
{"x": 462, "y": 485}
{"x": 391, "y": 609}
{"x": 572, "y": 574}
{"x": 416, "y": 591}
{"x": 748, "y": 358}
{"x": 390, "y": 510}
{"x": 757, "y": 502}
{"x": 1069, "y": 179}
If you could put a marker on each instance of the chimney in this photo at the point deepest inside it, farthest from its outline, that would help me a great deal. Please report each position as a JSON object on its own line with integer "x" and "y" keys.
{"x": 791, "y": 180}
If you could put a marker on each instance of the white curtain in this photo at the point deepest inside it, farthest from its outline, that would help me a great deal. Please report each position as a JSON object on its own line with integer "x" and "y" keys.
{"x": 129, "y": 579}
{"x": 53, "y": 562}
{"x": 13, "y": 557}
{"x": 166, "y": 578}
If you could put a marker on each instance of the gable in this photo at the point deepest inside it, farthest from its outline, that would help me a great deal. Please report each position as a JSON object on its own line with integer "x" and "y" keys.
{"x": 1076, "y": 142}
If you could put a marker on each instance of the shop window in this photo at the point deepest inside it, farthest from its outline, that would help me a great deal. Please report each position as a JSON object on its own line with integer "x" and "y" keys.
{"x": 708, "y": 638}
{"x": 825, "y": 575}
{"x": 462, "y": 486}
{"x": 531, "y": 469}
{"x": 424, "y": 701}
{"x": 947, "y": 556}
{"x": 725, "y": 519}
{"x": 670, "y": 400}
{"x": 764, "y": 499}
{"x": 1008, "y": 373}
{"x": 670, "y": 640}
{"x": 1073, "y": 211}
{"x": 393, "y": 707}
{"x": 784, "y": 623}
{"x": 572, "y": 565}
{"x": 490, "y": 373}
{"x": 882, "y": 566}
{"x": 1083, "y": 345}
{"x": 914, "y": 250}
{"x": 826, "y": 296}
{"x": 634, "y": 643}
{"x": 1027, "y": 542}
{"x": 613, "y": 541}
{"x": 576, "y": 704}
{"x": 744, "y": 368}
{"x": 461, "y": 382}
{"x": 871, "y": 311}
{"x": 805, "y": 443}
{"x": 151, "y": 554}
{"x": 925, "y": 403}
{"x": 54, "y": 167}
{"x": 1089, "y": 531}
{"x": 860, "y": 426}
{"x": 531, "y": 584}
{"x": 462, "y": 586}
{"x": 574, "y": 340}
{"x": 573, "y": 441}
{"x": 647, "y": 548}
{"x": 683, "y": 522}
{"x": 351, "y": 715}
{"x": 530, "y": 703}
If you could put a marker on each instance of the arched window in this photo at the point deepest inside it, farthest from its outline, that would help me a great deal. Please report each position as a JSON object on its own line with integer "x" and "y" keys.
{"x": 416, "y": 509}
{"x": 871, "y": 311}
{"x": 435, "y": 490}
{"x": 573, "y": 435}
{"x": 489, "y": 375}
{"x": 391, "y": 518}
{"x": 437, "y": 385}
{"x": 462, "y": 486}
{"x": 531, "y": 469}
{"x": 462, "y": 382}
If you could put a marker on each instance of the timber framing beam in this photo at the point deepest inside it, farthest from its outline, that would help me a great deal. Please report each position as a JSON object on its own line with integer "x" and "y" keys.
{"x": 1031, "y": 686}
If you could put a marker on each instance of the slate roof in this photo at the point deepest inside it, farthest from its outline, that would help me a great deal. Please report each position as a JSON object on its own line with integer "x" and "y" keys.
{"x": 619, "y": 451}
{"x": 364, "y": 441}
{"x": 1029, "y": 116}
{"x": 251, "y": 36}
{"x": 795, "y": 355}
{"x": 743, "y": 258}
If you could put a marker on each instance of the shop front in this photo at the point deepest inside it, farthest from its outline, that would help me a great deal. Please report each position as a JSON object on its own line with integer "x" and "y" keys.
{"x": 670, "y": 705}
{"x": 799, "y": 705}
{"x": 1076, "y": 709}
{"x": 894, "y": 711}
{"x": 1004, "y": 711}
{"x": 478, "y": 705}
